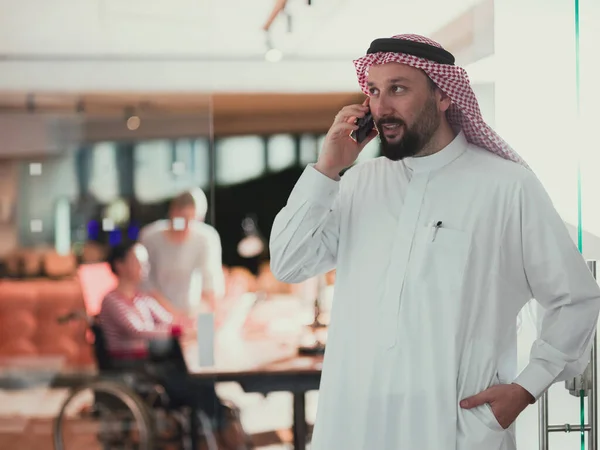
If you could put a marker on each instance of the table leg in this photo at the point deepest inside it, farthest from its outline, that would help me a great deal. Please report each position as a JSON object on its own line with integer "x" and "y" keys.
{"x": 300, "y": 427}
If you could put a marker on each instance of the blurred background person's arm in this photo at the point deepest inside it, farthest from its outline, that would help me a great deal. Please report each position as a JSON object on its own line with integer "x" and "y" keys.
{"x": 211, "y": 268}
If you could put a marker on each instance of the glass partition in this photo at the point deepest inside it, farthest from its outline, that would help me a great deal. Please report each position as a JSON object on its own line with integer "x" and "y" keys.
{"x": 588, "y": 97}
{"x": 68, "y": 199}
{"x": 543, "y": 72}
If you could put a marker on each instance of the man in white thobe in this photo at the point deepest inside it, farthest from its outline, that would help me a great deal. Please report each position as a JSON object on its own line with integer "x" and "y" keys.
{"x": 437, "y": 245}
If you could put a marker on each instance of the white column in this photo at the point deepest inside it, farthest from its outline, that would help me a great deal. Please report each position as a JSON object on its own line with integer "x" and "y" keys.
{"x": 535, "y": 90}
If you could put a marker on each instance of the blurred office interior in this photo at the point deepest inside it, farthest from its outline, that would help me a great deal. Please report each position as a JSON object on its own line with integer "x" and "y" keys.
{"x": 111, "y": 108}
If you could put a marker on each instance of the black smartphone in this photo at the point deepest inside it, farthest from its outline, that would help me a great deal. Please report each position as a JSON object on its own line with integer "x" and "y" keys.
{"x": 365, "y": 126}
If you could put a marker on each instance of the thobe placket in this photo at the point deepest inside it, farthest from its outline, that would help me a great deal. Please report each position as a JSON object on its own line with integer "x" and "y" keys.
{"x": 403, "y": 242}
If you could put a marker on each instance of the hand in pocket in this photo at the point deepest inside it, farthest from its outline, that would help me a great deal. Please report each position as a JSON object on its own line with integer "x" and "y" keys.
{"x": 507, "y": 401}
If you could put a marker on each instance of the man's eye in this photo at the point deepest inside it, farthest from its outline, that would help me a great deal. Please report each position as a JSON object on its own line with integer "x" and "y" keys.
{"x": 373, "y": 91}
{"x": 397, "y": 89}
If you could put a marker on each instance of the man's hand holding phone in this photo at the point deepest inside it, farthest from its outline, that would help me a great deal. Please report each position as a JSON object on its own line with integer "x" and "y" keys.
{"x": 340, "y": 150}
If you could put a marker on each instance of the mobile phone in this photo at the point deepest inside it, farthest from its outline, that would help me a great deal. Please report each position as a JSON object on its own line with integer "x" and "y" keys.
{"x": 365, "y": 126}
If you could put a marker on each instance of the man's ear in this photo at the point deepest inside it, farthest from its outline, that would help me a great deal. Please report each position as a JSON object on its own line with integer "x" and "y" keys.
{"x": 443, "y": 100}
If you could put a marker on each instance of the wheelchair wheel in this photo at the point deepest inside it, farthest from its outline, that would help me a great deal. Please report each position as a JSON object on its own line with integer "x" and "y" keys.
{"x": 104, "y": 415}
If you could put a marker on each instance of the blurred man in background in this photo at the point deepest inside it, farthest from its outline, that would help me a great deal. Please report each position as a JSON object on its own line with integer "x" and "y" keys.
{"x": 186, "y": 272}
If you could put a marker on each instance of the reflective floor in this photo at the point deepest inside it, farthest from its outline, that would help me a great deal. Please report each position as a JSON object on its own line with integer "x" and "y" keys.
{"x": 26, "y": 417}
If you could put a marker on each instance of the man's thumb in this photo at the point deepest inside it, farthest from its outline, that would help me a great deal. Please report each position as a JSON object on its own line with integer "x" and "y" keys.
{"x": 475, "y": 401}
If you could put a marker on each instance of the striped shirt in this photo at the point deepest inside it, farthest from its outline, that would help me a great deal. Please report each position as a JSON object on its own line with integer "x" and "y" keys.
{"x": 128, "y": 324}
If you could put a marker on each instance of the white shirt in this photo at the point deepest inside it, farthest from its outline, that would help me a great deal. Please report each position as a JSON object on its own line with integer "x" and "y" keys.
{"x": 423, "y": 318}
{"x": 183, "y": 270}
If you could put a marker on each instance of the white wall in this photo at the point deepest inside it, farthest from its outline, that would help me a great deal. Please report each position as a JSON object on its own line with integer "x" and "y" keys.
{"x": 201, "y": 45}
{"x": 257, "y": 76}
{"x": 536, "y": 97}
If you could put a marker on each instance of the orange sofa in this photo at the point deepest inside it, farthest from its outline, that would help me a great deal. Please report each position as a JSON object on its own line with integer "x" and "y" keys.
{"x": 29, "y": 310}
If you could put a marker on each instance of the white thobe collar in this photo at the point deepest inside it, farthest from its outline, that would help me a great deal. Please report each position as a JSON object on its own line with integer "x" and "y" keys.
{"x": 440, "y": 159}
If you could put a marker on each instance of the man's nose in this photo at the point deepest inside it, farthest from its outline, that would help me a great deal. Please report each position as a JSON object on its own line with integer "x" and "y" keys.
{"x": 381, "y": 107}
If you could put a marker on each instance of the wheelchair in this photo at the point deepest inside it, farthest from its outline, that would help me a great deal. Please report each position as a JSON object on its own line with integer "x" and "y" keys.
{"x": 129, "y": 410}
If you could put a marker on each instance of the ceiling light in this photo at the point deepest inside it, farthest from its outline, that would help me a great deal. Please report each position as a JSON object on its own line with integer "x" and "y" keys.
{"x": 133, "y": 123}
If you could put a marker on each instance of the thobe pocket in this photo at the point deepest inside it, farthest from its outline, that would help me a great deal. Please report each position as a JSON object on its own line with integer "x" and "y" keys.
{"x": 489, "y": 418}
{"x": 439, "y": 261}
{"x": 478, "y": 429}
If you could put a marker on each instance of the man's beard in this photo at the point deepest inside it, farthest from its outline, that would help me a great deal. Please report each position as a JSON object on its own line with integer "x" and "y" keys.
{"x": 414, "y": 138}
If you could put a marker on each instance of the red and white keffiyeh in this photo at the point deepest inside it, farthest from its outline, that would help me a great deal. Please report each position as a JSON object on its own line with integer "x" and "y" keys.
{"x": 464, "y": 111}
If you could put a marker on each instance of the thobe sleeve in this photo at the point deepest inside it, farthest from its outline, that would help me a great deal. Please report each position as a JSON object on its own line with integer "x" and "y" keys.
{"x": 559, "y": 279}
{"x": 305, "y": 233}
{"x": 210, "y": 263}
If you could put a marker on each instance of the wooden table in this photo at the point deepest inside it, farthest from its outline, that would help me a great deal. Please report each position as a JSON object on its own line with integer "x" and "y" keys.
{"x": 264, "y": 366}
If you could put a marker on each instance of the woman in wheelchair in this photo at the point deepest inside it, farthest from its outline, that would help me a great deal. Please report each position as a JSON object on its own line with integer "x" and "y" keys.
{"x": 139, "y": 335}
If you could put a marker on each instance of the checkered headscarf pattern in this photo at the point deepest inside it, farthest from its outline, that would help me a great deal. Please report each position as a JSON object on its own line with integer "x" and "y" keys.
{"x": 453, "y": 81}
